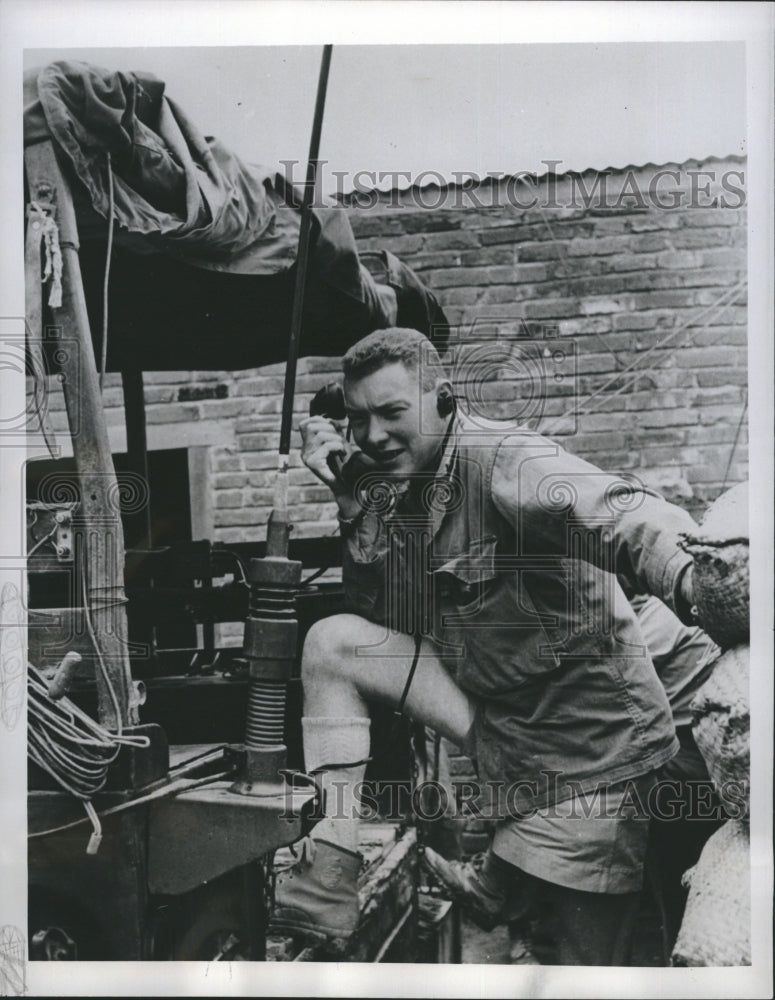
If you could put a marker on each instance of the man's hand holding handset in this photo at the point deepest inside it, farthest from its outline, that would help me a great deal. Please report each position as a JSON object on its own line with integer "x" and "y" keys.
{"x": 322, "y": 439}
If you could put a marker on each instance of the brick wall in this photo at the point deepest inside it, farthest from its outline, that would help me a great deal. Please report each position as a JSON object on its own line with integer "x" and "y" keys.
{"x": 623, "y": 285}
{"x": 630, "y": 286}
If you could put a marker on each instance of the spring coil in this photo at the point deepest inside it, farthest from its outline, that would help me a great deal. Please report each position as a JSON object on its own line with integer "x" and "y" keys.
{"x": 272, "y": 602}
{"x": 266, "y": 713}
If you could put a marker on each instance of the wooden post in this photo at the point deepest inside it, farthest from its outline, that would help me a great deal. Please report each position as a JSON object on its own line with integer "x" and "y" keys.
{"x": 137, "y": 449}
{"x": 99, "y": 552}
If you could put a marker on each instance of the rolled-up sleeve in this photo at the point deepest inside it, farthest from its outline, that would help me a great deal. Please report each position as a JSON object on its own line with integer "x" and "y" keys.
{"x": 546, "y": 494}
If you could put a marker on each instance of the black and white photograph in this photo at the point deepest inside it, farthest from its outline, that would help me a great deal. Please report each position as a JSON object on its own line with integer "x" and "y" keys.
{"x": 386, "y": 466}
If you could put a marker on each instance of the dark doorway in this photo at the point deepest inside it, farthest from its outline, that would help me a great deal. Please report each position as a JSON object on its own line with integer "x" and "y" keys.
{"x": 168, "y": 494}
{"x": 167, "y": 491}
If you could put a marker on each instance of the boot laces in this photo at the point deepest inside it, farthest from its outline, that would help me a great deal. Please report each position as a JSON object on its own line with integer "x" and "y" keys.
{"x": 303, "y": 853}
{"x": 304, "y": 850}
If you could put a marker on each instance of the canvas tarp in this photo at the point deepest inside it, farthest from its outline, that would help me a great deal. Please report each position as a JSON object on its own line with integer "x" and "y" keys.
{"x": 203, "y": 266}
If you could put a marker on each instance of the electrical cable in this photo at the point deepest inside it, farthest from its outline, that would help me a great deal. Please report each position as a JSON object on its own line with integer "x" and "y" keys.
{"x": 219, "y": 550}
{"x": 98, "y": 651}
{"x": 191, "y": 763}
{"x": 71, "y": 747}
{"x": 181, "y": 785}
{"x": 637, "y": 372}
{"x": 323, "y": 569}
{"x": 41, "y": 541}
{"x": 734, "y": 443}
{"x": 240, "y": 564}
{"x": 583, "y": 407}
{"x": 67, "y": 743}
{"x": 314, "y": 576}
{"x": 628, "y": 382}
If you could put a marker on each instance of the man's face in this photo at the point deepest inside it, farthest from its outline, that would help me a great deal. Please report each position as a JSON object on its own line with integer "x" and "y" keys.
{"x": 394, "y": 421}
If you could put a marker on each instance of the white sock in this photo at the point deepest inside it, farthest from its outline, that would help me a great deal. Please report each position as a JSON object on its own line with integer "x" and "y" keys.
{"x": 334, "y": 740}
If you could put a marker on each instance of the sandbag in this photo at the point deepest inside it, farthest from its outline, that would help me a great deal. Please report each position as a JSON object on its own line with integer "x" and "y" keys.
{"x": 720, "y": 549}
{"x": 716, "y": 928}
{"x": 722, "y": 728}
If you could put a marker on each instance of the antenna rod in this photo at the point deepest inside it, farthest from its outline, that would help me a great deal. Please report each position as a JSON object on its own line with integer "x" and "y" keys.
{"x": 278, "y": 527}
{"x": 303, "y": 254}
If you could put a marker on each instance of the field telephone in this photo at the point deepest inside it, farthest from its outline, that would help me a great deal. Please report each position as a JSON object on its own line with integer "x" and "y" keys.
{"x": 328, "y": 402}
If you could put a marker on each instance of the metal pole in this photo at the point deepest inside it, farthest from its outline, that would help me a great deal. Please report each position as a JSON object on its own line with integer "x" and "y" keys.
{"x": 277, "y": 529}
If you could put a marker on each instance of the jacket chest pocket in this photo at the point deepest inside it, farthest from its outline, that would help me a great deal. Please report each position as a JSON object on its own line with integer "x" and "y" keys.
{"x": 463, "y": 582}
{"x": 488, "y": 614}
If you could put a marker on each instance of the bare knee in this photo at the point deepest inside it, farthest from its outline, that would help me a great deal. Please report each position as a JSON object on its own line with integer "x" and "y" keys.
{"x": 329, "y": 647}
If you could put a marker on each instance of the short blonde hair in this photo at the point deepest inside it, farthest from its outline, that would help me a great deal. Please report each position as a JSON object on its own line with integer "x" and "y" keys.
{"x": 394, "y": 345}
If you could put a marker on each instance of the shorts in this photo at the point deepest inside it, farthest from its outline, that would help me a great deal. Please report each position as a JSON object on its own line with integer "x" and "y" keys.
{"x": 586, "y": 843}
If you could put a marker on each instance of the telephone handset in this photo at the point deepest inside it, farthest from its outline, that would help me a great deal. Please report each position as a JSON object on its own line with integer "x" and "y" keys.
{"x": 329, "y": 402}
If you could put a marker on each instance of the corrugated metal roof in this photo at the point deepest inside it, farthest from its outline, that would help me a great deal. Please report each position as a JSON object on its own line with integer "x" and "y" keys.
{"x": 491, "y": 181}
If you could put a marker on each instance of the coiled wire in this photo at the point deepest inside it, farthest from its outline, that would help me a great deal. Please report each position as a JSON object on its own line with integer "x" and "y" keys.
{"x": 70, "y": 746}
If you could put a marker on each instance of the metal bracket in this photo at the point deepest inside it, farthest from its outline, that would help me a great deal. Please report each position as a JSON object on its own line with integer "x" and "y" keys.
{"x": 64, "y": 535}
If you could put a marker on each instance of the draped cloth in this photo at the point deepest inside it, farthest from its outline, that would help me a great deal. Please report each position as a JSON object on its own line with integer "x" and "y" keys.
{"x": 205, "y": 243}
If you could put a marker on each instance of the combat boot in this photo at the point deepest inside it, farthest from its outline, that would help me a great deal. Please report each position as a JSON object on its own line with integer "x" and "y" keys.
{"x": 318, "y": 896}
{"x": 462, "y": 882}
{"x": 521, "y": 944}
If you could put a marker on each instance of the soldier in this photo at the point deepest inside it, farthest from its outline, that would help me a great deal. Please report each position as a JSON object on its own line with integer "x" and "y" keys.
{"x": 478, "y": 564}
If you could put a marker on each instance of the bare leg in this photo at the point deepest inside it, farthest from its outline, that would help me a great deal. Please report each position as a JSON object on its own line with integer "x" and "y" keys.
{"x": 348, "y": 660}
